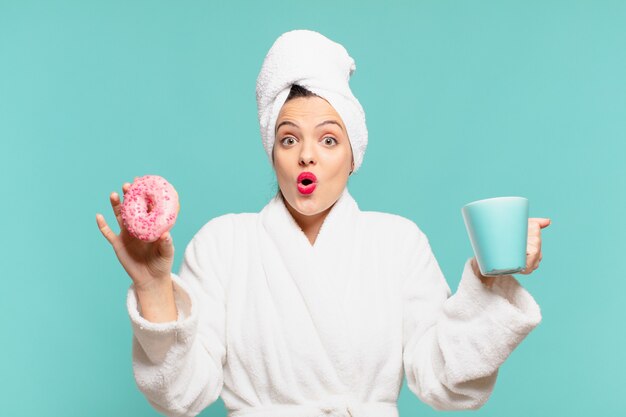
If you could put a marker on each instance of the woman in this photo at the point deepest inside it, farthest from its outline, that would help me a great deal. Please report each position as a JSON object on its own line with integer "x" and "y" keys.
{"x": 313, "y": 307}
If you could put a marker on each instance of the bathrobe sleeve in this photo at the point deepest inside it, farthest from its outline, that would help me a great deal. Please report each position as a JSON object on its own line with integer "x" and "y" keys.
{"x": 178, "y": 365}
{"x": 454, "y": 345}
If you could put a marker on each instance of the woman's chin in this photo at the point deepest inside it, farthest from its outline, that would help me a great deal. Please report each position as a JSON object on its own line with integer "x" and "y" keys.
{"x": 306, "y": 205}
{"x": 307, "y": 208}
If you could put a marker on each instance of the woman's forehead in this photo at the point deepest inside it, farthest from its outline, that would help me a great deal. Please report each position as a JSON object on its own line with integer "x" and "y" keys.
{"x": 308, "y": 110}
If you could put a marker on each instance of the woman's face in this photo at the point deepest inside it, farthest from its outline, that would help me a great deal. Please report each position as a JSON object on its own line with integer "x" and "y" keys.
{"x": 311, "y": 137}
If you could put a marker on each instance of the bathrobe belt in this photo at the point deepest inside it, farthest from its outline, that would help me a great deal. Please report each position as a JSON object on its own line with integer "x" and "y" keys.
{"x": 334, "y": 408}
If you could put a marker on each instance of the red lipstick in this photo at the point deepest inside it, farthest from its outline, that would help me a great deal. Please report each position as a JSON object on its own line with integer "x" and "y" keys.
{"x": 307, "y": 181}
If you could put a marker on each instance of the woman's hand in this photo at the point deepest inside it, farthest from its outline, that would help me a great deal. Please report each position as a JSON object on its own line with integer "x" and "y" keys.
{"x": 533, "y": 244}
{"x": 148, "y": 264}
{"x": 533, "y": 250}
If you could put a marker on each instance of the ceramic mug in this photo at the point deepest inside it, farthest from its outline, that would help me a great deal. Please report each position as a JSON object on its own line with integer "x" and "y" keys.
{"x": 498, "y": 230}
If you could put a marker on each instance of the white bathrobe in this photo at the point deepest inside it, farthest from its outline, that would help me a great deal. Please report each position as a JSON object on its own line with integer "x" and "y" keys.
{"x": 281, "y": 328}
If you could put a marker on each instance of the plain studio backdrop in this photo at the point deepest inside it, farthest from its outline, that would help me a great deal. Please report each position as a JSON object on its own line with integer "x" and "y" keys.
{"x": 464, "y": 100}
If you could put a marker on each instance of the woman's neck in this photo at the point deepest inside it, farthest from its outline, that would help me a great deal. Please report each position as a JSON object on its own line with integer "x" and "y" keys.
{"x": 310, "y": 225}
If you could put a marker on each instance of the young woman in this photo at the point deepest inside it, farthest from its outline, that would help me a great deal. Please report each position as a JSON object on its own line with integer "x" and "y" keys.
{"x": 313, "y": 307}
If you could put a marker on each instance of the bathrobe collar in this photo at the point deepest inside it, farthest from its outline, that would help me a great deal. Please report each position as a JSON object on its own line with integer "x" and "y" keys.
{"x": 322, "y": 273}
{"x": 334, "y": 246}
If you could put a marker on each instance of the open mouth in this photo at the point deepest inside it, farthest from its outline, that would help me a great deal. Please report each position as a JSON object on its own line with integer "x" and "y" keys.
{"x": 307, "y": 181}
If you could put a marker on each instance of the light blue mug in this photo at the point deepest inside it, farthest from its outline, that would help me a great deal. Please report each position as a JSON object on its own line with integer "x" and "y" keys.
{"x": 498, "y": 230}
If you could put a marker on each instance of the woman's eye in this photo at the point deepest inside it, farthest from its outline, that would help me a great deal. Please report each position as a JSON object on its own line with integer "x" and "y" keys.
{"x": 288, "y": 141}
{"x": 330, "y": 141}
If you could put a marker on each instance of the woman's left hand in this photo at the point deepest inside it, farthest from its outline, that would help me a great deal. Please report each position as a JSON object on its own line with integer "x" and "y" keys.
{"x": 533, "y": 245}
{"x": 533, "y": 249}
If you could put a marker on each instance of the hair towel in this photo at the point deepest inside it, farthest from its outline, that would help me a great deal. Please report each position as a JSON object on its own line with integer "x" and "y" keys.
{"x": 322, "y": 66}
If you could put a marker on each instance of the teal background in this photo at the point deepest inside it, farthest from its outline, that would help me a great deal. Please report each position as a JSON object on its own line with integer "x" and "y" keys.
{"x": 464, "y": 100}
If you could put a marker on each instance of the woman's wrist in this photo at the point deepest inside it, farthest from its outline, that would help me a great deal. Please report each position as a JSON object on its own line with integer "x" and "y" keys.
{"x": 156, "y": 301}
{"x": 151, "y": 285}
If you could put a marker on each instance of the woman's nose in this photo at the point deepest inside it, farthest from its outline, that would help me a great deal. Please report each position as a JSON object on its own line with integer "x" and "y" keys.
{"x": 307, "y": 155}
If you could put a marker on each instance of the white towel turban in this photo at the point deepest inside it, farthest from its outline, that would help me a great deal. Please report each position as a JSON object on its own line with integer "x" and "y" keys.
{"x": 318, "y": 64}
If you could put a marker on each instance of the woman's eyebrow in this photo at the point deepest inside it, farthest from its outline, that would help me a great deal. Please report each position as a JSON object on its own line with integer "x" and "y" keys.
{"x": 325, "y": 122}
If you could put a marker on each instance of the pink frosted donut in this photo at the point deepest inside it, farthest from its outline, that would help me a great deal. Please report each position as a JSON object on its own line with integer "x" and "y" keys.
{"x": 150, "y": 207}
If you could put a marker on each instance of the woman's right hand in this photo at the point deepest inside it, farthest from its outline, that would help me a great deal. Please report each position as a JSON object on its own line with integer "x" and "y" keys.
{"x": 148, "y": 264}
